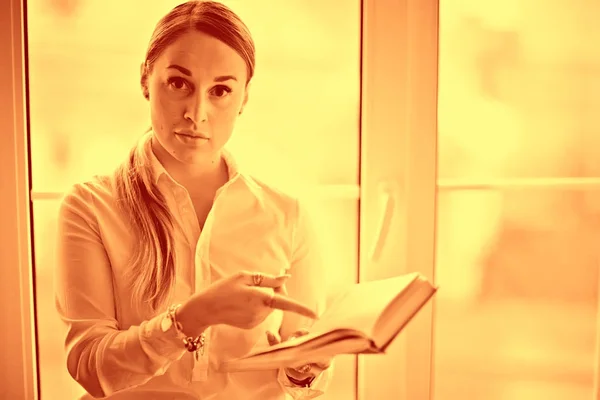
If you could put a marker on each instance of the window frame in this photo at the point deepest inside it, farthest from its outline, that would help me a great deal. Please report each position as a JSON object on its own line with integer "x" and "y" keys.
{"x": 398, "y": 164}
{"x": 18, "y": 342}
{"x": 418, "y": 45}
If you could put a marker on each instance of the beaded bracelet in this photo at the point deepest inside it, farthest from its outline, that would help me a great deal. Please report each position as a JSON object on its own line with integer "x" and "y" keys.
{"x": 192, "y": 344}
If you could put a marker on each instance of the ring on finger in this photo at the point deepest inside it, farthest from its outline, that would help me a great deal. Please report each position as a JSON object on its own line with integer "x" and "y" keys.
{"x": 257, "y": 279}
{"x": 305, "y": 369}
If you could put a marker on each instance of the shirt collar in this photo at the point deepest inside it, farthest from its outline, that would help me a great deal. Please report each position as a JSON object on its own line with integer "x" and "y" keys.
{"x": 158, "y": 170}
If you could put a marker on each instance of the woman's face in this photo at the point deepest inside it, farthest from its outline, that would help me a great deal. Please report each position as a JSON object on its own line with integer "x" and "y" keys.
{"x": 197, "y": 89}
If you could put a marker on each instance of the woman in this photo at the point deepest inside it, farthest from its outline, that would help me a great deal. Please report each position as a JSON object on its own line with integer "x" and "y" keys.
{"x": 180, "y": 261}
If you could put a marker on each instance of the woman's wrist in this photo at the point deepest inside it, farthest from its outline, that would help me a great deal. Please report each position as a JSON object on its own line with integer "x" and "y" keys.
{"x": 193, "y": 322}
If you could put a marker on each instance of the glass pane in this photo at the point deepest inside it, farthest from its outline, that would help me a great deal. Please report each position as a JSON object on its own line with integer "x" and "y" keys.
{"x": 86, "y": 110}
{"x": 516, "y": 311}
{"x": 335, "y": 220}
{"x": 518, "y": 89}
{"x": 86, "y": 106}
{"x": 518, "y": 270}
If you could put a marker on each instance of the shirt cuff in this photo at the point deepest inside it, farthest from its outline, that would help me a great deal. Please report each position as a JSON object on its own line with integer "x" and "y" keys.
{"x": 316, "y": 388}
{"x": 161, "y": 347}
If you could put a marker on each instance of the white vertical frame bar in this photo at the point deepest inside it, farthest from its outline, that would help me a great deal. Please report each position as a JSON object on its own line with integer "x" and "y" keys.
{"x": 18, "y": 370}
{"x": 596, "y": 390}
{"x": 398, "y": 174}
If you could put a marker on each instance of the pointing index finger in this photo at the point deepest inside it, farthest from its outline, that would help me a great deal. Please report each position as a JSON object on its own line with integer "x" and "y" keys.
{"x": 286, "y": 304}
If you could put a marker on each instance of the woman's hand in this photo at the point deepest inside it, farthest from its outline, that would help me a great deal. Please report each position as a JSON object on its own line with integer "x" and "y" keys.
{"x": 243, "y": 300}
{"x": 311, "y": 369}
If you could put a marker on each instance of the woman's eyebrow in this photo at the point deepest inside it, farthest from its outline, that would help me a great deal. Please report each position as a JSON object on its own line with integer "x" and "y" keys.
{"x": 187, "y": 72}
{"x": 224, "y": 78}
{"x": 179, "y": 68}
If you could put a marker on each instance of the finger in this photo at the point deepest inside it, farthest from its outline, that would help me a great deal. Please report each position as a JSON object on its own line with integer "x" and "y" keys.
{"x": 268, "y": 280}
{"x": 281, "y": 290}
{"x": 272, "y": 339}
{"x": 322, "y": 364}
{"x": 299, "y": 333}
{"x": 296, "y": 371}
{"x": 316, "y": 369}
{"x": 286, "y": 304}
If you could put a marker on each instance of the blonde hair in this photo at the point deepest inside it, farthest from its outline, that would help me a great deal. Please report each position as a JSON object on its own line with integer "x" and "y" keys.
{"x": 152, "y": 273}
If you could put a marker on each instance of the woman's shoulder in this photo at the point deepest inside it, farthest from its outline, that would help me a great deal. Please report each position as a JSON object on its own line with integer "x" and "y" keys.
{"x": 281, "y": 194}
{"x": 85, "y": 194}
{"x": 98, "y": 185}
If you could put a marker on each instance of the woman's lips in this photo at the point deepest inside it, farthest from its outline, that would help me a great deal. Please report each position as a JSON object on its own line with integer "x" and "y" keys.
{"x": 192, "y": 135}
{"x": 191, "y": 139}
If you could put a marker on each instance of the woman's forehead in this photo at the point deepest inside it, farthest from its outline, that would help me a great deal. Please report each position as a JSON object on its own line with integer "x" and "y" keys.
{"x": 200, "y": 53}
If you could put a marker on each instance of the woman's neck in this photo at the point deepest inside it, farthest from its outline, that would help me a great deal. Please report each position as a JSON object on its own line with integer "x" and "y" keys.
{"x": 208, "y": 173}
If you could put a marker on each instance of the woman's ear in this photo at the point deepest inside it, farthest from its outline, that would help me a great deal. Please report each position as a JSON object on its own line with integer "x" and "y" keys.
{"x": 245, "y": 98}
{"x": 144, "y": 80}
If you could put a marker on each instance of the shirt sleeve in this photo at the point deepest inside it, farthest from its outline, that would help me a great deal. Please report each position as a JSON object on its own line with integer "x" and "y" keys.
{"x": 102, "y": 358}
{"x": 307, "y": 285}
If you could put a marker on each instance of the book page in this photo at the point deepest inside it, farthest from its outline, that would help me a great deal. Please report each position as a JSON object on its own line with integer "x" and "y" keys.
{"x": 400, "y": 311}
{"x": 360, "y": 306}
{"x": 357, "y": 309}
{"x": 348, "y": 325}
{"x": 298, "y": 356}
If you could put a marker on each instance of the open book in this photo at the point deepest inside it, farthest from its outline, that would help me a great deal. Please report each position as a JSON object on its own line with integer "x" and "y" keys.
{"x": 363, "y": 319}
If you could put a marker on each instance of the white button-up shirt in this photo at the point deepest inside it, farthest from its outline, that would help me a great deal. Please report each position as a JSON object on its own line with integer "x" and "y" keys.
{"x": 113, "y": 352}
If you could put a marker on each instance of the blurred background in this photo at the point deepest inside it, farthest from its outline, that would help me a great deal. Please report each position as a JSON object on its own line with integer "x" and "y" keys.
{"x": 518, "y": 209}
{"x": 518, "y": 222}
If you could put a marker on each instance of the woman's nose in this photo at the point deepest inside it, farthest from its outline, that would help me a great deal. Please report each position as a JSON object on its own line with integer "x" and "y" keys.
{"x": 197, "y": 109}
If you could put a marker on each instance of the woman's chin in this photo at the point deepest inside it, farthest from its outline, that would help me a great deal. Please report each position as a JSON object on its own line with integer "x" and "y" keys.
{"x": 194, "y": 156}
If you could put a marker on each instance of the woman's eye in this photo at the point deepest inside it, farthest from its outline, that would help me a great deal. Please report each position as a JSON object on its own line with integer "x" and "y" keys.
{"x": 221, "y": 91}
{"x": 177, "y": 83}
